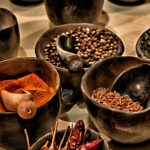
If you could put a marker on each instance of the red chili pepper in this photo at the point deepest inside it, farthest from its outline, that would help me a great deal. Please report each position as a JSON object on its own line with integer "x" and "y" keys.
{"x": 77, "y": 135}
{"x": 93, "y": 145}
{"x": 44, "y": 148}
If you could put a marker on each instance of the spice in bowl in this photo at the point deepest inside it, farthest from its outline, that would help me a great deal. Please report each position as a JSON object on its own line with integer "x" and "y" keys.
{"x": 75, "y": 138}
{"x": 91, "y": 44}
{"x": 114, "y": 100}
{"x": 145, "y": 43}
{"x": 23, "y": 95}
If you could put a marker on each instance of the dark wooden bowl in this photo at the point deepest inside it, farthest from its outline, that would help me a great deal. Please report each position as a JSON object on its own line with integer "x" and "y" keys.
{"x": 9, "y": 35}
{"x": 11, "y": 125}
{"x": 140, "y": 48}
{"x": 62, "y": 12}
{"x": 121, "y": 126}
{"x": 39, "y": 143}
{"x": 69, "y": 80}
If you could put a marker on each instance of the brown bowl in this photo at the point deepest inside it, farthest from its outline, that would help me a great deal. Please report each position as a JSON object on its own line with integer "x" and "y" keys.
{"x": 121, "y": 126}
{"x": 59, "y": 134}
{"x": 11, "y": 125}
{"x": 61, "y": 12}
{"x": 142, "y": 47}
{"x": 9, "y": 35}
{"x": 69, "y": 80}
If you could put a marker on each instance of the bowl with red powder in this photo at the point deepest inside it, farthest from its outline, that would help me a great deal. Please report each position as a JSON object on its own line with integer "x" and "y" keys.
{"x": 29, "y": 100}
{"x": 114, "y": 112}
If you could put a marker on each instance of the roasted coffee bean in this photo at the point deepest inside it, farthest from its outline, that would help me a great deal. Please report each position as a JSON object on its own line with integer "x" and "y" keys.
{"x": 145, "y": 43}
{"x": 115, "y": 100}
{"x": 90, "y": 43}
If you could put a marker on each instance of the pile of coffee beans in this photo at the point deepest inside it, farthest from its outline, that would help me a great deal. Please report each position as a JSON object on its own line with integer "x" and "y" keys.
{"x": 145, "y": 43}
{"x": 115, "y": 100}
{"x": 92, "y": 44}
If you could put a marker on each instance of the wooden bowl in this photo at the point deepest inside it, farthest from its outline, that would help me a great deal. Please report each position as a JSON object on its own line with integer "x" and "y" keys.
{"x": 11, "y": 125}
{"x": 73, "y": 11}
{"x": 142, "y": 50}
{"x": 120, "y": 126}
{"x": 69, "y": 80}
{"x": 9, "y": 35}
{"x": 59, "y": 134}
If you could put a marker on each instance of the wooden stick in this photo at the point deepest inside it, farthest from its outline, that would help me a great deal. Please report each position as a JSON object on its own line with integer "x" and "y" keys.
{"x": 53, "y": 137}
{"x": 27, "y": 139}
{"x": 63, "y": 138}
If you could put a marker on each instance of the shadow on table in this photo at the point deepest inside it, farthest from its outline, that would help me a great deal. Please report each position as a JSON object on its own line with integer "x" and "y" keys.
{"x": 103, "y": 19}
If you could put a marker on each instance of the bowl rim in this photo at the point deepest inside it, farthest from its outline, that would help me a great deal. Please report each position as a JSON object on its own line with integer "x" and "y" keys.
{"x": 138, "y": 45}
{"x": 89, "y": 98}
{"x": 32, "y": 59}
{"x": 38, "y": 54}
{"x": 10, "y": 13}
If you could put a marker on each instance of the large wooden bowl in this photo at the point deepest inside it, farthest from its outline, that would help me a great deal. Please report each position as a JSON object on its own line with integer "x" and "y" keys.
{"x": 69, "y": 80}
{"x": 121, "y": 126}
{"x": 11, "y": 125}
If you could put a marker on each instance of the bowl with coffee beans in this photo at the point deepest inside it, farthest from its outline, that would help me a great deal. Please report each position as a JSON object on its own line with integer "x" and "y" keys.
{"x": 143, "y": 45}
{"x": 116, "y": 94}
{"x": 78, "y": 45}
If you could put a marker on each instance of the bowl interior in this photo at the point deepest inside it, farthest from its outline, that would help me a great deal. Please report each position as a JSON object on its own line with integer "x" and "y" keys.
{"x": 15, "y": 68}
{"x": 8, "y": 19}
{"x": 135, "y": 82}
{"x": 47, "y": 37}
{"x": 143, "y": 45}
{"x": 39, "y": 143}
{"x": 103, "y": 74}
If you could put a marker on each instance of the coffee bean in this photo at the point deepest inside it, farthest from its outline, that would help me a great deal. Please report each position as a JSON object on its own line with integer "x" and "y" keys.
{"x": 114, "y": 100}
{"x": 90, "y": 43}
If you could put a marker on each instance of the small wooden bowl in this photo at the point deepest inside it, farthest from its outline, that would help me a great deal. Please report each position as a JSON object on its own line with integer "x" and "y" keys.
{"x": 59, "y": 134}
{"x": 120, "y": 126}
{"x": 141, "y": 52}
{"x": 11, "y": 125}
{"x": 69, "y": 80}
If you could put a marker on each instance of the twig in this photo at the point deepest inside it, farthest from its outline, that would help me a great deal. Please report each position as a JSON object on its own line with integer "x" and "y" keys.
{"x": 27, "y": 139}
{"x": 52, "y": 147}
{"x": 63, "y": 138}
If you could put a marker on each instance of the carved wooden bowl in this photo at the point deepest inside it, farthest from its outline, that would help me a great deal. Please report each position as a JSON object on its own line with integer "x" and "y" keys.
{"x": 69, "y": 80}
{"x": 11, "y": 125}
{"x": 121, "y": 126}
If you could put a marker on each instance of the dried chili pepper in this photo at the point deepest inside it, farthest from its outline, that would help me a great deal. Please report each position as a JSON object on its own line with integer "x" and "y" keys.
{"x": 77, "y": 135}
{"x": 93, "y": 145}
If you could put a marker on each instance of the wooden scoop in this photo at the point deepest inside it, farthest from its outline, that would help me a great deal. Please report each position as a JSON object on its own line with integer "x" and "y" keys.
{"x": 64, "y": 47}
{"x": 20, "y": 103}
